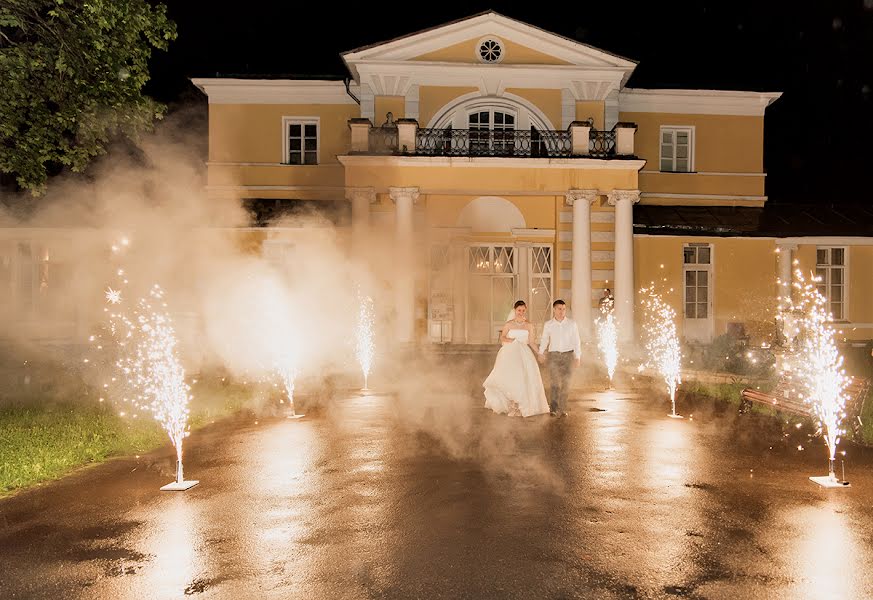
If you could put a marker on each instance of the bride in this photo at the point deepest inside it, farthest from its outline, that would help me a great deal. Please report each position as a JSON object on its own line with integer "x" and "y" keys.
{"x": 515, "y": 386}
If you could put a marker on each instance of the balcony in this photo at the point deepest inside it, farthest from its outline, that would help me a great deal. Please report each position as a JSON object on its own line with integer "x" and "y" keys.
{"x": 405, "y": 138}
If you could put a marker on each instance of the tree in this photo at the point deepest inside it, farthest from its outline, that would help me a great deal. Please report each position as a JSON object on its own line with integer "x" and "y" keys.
{"x": 72, "y": 74}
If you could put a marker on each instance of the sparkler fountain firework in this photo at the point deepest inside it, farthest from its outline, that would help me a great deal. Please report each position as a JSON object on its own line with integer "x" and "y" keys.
{"x": 815, "y": 364}
{"x": 607, "y": 339}
{"x": 662, "y": 342}
{"x": 288, "y": 373}
{"x": 152, "y": 373}
{"x": 365, "y": 347}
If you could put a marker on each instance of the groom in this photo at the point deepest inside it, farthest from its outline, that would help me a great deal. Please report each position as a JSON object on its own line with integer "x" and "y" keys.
{"x": 561, "y": 339}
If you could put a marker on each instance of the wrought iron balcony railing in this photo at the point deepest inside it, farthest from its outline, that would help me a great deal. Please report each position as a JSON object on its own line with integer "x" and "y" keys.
{"x": 580, "y": 140}
{"x": 486, "y": 142}
{"x": 601, "y": 144}
{"x": 383, "y": 140}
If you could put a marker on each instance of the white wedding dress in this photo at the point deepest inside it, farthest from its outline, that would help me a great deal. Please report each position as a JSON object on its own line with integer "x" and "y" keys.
{"x": 515, "y": 386}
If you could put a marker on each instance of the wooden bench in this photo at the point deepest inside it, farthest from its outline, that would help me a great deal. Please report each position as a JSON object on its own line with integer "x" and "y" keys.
{"x": 785, "y": 398}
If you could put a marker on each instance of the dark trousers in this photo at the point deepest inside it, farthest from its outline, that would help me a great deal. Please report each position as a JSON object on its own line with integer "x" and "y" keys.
{"x": 560, "y": 368}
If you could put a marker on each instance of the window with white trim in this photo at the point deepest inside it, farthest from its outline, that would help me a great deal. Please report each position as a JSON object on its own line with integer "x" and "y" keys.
{"x": 480, "y": 122}
{"x": 301, "y": 141}
{"x": 830, "y": 270}
{"x": 677, "y": 149}
{"x": 697, "y": 266}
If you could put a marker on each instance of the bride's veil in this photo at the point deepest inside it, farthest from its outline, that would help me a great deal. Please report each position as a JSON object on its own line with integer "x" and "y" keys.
{"x": 511, "y": 315}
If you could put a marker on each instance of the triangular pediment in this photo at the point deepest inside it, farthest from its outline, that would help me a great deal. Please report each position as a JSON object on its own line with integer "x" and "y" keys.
{"x": 459, "y": 42}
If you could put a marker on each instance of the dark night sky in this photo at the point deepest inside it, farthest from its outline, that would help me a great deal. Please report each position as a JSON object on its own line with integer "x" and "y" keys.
{"x": 818, "y": 53}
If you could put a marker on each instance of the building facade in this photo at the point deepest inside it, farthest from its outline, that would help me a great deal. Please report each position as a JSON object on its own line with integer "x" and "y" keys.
{"x": 500, "y": 161}
{"x": 506, "y": 159}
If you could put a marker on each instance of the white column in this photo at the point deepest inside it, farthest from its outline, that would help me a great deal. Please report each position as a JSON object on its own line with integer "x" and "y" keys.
{"x": 411, "y": 103}
{"x": 610, "y": 110}
{"x": 580, "y": 301}
{"x": 624, "y": 201}
{"x": 404, "y": 283}
{"x": 368, "y": 103}
{"x": 459, "y": 293}
{"x": 361, "y": 199}
{"x": 786, "y": 269}
{"x": 568, "y": 108}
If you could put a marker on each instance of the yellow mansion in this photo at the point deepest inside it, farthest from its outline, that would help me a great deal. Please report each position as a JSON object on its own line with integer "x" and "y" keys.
{"x": 502, "y": 161}
{"x": 519, "y": 164}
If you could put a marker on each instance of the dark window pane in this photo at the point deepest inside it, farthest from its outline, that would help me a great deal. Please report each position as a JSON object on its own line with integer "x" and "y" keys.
{"x": 689, "y": 310}
{"x": 837, "y": 256}
{"x": 703, "y": 256}
{"x": 689, "y": 256}
{"x": 294, "y": 130}
{"x": 311, "y": 158}
{"x": 310, "y": 130}
{"x": 702, "y": 309}
{"x": 294, "y": 159}
{"x": 310, "y": 144}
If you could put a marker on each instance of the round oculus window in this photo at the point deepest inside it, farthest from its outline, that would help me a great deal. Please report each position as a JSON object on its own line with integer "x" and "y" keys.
{"x": 490, "y": 50}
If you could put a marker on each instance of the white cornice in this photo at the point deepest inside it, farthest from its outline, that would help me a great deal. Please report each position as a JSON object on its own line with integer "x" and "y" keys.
{"x": 809, "y": 240}
{"x": 491, "y": 23}
{"x": 274, "y": 91}
{"x": 364, "y": 160}
{"x": 702, "y": 196}
{"x": 828, "y": 240}
{"x": 703, "y": 173}
{"x": 696, "y": 102}
{"x": 396, "y": 77}
{"x": 518, "y": 232}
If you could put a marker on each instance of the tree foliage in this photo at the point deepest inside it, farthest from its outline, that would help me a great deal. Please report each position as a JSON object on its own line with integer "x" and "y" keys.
{"x": 71, "y": 78}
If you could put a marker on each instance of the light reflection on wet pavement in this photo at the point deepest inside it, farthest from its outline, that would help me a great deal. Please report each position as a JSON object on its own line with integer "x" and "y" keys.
{"x": 366, "y": 498}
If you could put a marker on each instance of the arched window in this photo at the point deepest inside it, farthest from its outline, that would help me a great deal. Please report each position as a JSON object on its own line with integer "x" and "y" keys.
{"x": 506, "y": 125}
{"x": 497, "y": 112}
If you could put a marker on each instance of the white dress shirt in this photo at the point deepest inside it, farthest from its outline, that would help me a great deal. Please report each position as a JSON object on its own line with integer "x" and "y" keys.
{"x": 561, "y": 336}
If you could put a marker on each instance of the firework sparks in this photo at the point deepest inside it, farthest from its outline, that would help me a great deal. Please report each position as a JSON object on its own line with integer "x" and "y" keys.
{"x": 607, "y": 340}
{"x": 113, "y": 296}
{"x": 365, "y": 347}
{"x": 151, "y": 373}
{"x": 661, "y": 340}
{"x": 288, "y": 374}
{"x": 815, "y": 363}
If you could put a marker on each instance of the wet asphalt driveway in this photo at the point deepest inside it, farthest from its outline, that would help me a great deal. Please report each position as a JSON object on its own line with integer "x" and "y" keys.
{"x": 368, "y": 497}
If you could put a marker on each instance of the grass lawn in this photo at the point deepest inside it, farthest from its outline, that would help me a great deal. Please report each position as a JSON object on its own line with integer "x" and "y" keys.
{"x": 43, "y": 440}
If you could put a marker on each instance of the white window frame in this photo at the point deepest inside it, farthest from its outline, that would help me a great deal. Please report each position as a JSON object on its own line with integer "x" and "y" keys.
{"x": 491, "y": 110}
{"x": 708, "y": 267}
{"x": 440, "y": 330}
{"x": 531, "y": 274}
{"x": 286, "y": 150}
{"x": 829, "y": 268}
{"x": 690, "y": 129}
{"x": 515, "y": 276}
